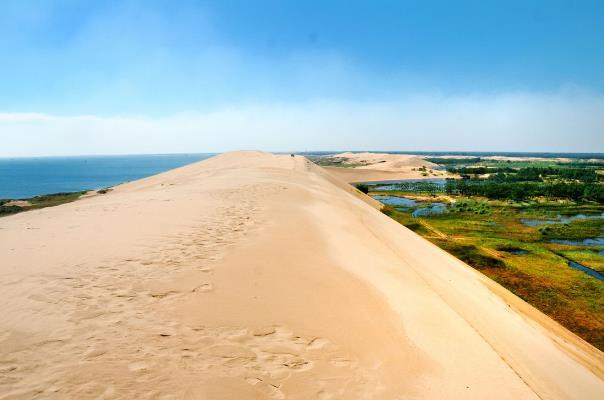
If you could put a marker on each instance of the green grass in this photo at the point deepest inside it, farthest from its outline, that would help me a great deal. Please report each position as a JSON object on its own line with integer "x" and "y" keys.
{"x": 589, "y": 257}
{"x": 577, "y": 230}
{"x": 38, "y": 202}
{"x": 509, "y": 248}
{"x": 362, "y": 187}
{"x": 483, "y": 233}
{"x": 470, "y": 254}
{"x": 471, "y": 206}
{"x": 329, "y": 161}
{"x": 405, "y": 219}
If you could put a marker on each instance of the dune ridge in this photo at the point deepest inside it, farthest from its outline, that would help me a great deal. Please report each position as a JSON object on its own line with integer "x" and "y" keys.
{"x": 376, "y": 167}
{"x": 256, "y": 276}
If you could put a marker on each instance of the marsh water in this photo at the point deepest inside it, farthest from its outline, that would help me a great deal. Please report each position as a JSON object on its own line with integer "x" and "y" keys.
{"x": 560, "y": 219}
{"x": 418, "y": 209}
{"x": 408, "y": 184}
{"x": 434, "y": 208}
{"x": 396, "y": 201}
{"x": 517, "y": 252}
{"x": 587, "y": 270}
{"x": 597, "y": 241}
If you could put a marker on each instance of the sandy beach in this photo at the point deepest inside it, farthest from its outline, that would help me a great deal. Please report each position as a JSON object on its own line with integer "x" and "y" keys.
{"x": 256, "y": 276}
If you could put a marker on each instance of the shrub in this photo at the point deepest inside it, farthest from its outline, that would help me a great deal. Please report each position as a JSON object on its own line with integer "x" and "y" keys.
{"x": 472, "y": 255}
{"x": 363, "y": 188}
{"x": 6, "y": 210}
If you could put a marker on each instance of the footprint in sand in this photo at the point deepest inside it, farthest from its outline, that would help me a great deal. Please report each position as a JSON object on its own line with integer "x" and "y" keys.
{"x": 138, "y": 366}
{"x": 230, "y": 351}
{"x": 342, "y": 362}
{"x": 322, "y": 395}
{"x": 317, "y": 344}
{"x": 206, "y": 287}
{"x": 94, "y": 353}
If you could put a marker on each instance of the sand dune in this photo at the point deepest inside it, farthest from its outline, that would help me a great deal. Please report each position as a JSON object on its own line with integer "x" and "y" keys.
{"x": 254, "y": 276}
{"x": 374, "y": 167}
{"x": 385, "y": 161}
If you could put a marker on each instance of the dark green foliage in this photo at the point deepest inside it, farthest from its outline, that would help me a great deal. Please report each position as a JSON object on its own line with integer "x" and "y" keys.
{"x": 363, "y": 188}
{"x": 541, "y": 174}
{"x": 37, "y": 202}
{"x": 531, "y": 267}
{"x": 7, "y": 210}
{"x": 480, "y": 170}
{"x": 421, "y": 187}
{"x": 414, "y": 226}
{"x": 509, "y": 248}
{"x": 47, "y": 198}
{"x": 581, "y": 164}
{"x": 473, "y": 206}
{"x": 471, "y": 255}
{"x": 577, "y": 230}
{"x": 453, "y": 161}
{"x": 494, "y": 189}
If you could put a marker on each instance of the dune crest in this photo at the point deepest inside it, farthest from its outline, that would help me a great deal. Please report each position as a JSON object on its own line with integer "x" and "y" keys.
{"x": 256, "y": 276}
{"x": 375, "y": 167}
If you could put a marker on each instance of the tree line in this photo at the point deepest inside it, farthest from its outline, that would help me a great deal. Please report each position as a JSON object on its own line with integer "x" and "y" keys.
{"x": 502, "y": 190}
{"x": 530, "y": 174}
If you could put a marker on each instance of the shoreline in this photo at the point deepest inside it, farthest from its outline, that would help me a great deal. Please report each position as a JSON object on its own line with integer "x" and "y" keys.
{"x": 252, "y": 275}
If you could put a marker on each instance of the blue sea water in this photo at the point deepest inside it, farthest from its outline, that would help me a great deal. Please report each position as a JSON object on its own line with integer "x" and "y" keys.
{"x": 27, "y": 177}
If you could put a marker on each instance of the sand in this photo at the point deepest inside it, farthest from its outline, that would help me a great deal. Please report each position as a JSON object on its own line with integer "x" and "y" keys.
{"x": 377, "y": 167}
{"x": 18, "y": 203}
{"x": 254, "y": 276}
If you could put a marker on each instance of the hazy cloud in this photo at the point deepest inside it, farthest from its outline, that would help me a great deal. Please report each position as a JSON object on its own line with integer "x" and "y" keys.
{"x": 560, "y": 122}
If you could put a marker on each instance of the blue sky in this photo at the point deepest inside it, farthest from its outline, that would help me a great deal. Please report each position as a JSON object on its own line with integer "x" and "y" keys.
{"x": 75, "y": 67}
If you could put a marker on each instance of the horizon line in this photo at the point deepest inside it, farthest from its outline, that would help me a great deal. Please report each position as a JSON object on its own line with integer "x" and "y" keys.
{"x": 326, "y": 152}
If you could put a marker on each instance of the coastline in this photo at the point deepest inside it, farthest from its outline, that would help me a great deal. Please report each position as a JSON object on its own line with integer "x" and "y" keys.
{"x": 258, "y": 276}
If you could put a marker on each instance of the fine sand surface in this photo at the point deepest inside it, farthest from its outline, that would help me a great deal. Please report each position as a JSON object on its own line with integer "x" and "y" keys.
{"x": 254, "y": 276}
{"x": 375, "y": 167}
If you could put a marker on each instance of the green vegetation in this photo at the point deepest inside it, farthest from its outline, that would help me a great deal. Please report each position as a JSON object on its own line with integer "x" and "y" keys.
{"x": 582, "y": 164}
{"x": 453, "y": 160}
{"x": 470, "y": 254}
{"x": 479, "y": 170}
{"x": 419, "y": 187}
{"x": 577, "y": 230}
{"x": 483, "y": 226}
{"x": 362, "y": 187}
{"x": 8, "y": 207}
{"x": 531, "y": 174}
{"x": 488, "y": 234}
{"x": 471, "y": 206}
{"x": 330, "y": 161}
{"x": 493, "y": 189}
{"x": 508, "y": 248}
{"x": 406, "y": 219}
{"x": 579, "y": 180}
{"x": 590, "y": 257}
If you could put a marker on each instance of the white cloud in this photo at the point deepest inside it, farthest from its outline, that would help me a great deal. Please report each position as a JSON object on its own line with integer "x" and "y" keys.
{"x": 559, "y": 122}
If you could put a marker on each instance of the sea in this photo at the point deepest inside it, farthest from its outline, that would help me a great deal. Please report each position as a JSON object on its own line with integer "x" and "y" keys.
{"x": 22, "y": 178}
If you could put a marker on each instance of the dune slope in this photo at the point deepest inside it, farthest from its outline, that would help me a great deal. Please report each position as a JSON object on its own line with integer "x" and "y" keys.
{"x": 376, "y": 167}
{"x": 254, "y": 276}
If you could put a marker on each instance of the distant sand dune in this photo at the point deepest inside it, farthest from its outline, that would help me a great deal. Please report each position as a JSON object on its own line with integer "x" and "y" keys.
{"x": 374, "y": 167}
{"x": 254, "y": 276}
